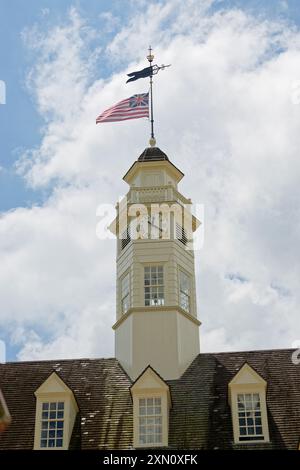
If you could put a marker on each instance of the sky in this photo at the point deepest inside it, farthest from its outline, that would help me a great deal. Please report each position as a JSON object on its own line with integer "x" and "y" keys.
{"x": 227, "y": 113}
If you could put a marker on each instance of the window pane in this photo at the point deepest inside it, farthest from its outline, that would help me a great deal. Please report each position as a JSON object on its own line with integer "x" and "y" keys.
{"x": 153, "y": 285}
{"x": 184, "y": 290}
{"x": 249, "y": 416}
{"x": 150, "y": 420}
{"x": 125, "y": 293}
{"x": 52, "y": 418}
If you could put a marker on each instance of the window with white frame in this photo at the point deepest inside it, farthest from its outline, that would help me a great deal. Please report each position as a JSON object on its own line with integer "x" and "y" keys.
{"x": 154, "y": 285}
{"x": 52, "y": 426}
{"x": 125, "y": 293}
{"x": 249, "y": 416}
{"x": 184, "y": 291}
{"x": 150, "y": 421}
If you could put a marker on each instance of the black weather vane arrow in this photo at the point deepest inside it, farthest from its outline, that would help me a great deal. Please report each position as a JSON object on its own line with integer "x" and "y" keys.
{"x": 146, "y": 72}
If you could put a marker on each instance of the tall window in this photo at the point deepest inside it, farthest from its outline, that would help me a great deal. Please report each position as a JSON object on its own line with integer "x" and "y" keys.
{"x": 249, "y": 414}
{"x": 150, "y": 421}
{"x": 52, "y": 429}
{"x": 184, "y": 291}
{"x": 125, "y": 293}
{"x": 154, "y": 285}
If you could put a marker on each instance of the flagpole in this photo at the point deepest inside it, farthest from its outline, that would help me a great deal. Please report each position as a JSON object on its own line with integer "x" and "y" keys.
{"x": 150, "y": 58}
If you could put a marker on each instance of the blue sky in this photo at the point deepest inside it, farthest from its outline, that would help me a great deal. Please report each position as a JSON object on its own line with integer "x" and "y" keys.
{"x": 70, "y": 165}
{"x": 20, "y": 123}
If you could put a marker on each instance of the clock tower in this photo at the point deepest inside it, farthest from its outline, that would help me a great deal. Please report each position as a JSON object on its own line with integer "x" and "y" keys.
{"x": 156, "y": 320}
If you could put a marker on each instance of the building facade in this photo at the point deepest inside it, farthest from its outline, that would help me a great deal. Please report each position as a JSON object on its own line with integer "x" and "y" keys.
{"x": 159, "y": 391}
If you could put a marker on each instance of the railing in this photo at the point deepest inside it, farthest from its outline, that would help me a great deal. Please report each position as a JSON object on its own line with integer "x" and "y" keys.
{"x": 156, "y": 194}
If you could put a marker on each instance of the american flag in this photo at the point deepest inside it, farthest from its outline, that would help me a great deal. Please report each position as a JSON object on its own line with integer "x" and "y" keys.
{"x": 135, "y": 107}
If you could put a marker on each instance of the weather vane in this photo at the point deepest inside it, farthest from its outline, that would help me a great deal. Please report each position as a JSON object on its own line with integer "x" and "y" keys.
{"x": 148, "y": 72}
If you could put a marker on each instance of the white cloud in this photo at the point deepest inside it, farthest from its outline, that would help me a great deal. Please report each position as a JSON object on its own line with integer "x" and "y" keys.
{"x": 224, "y": 115}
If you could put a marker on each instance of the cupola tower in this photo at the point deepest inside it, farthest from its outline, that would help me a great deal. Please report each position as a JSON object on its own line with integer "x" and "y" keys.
{"x": 156, "y": 320}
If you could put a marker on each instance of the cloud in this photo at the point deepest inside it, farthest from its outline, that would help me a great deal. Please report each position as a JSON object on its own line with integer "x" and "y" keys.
{"x": 224, "y": 115}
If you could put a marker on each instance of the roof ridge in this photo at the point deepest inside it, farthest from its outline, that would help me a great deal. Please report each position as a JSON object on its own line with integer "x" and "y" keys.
{"x": 91, "y": 359}
{"x": 247, "y": 351}
{"x": 58, "y": 361}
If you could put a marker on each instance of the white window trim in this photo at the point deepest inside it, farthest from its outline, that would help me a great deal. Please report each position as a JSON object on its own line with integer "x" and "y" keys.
{"x": 263, "y": 410}
{"x": 161, "y": 415}
{"x": 48, "y": 420}
{"x": 181, "y": 270}
{"x": 163, "y": 285}
{"x": 164, "y": 415}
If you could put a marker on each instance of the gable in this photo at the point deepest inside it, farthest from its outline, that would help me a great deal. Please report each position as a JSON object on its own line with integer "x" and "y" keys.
{"x": 53, "y": 384}
{"x": 246, "y": 376}
{"x": 149, "y": 380}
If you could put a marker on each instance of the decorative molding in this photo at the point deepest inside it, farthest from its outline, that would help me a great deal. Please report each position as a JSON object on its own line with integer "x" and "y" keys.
{"x": 167, "y": 309}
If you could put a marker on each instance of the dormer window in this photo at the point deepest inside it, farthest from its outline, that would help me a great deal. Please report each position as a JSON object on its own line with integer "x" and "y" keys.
{"x": 151, "y": 403}
{"x": 247, "y": 399}
{"x": 4, "y": 414}
{"x": 154, "y": 286}
{"x": 52, "y": 429}
{"x": 56, "y": 411}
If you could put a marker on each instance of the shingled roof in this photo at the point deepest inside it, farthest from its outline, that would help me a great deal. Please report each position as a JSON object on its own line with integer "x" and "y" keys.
{"x": 151, "y": 154}
{"x": 200, "y": 417}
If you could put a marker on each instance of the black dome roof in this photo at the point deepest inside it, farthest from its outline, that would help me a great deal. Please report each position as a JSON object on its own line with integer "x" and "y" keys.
{"x": 152, "y": 154}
